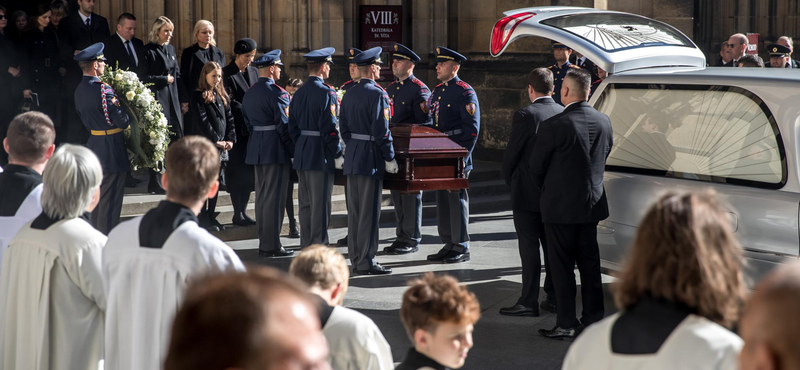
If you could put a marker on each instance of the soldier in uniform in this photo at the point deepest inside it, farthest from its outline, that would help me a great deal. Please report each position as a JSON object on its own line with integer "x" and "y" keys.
{"x": 355, "y": 76}
{"x": 312, "y": 126}
{"x": 561, "y": 52}
{"x": 455, "y": 111}
{"x": 353, "y": 68}
{"x": 410, "y": 102}
{"x": 779, "y": 56}
{"x": 102, "y": 114}
{"x": 365, "y": 116}
{"x": 266, "y": 111}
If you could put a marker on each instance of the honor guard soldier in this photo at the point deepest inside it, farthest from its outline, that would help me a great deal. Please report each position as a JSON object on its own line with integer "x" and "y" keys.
{"x": 410, "y": 102}
{"x": 105, "y": 118}
{"x": 455, "y": 112}
{"x": 365, "y": 116}
{"x": 270, "y": 149}
{"x": 353, "y": 68}
{"x": 779, "y": 56}
{"x": 355, "y": 76}
{"x": 312, "y": 125}
{"x": 561, "y": 52}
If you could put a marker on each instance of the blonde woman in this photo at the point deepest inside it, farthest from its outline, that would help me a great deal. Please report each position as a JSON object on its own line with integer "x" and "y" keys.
{"x": 681, "y": 291}
{"x": 211, "y": 117}
{"x": 161, "y": 69}
{"x": 193, "y": 59}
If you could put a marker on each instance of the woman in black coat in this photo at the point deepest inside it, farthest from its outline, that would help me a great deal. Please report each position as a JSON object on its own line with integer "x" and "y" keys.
{"x": 238, "y": 76}
{"x": 161, "y": 69}
{"x": 39, "y": 63}
{"x": 9, "y": 75}
{"x": 211, "y": 117}
{"x": 194, "y": 58}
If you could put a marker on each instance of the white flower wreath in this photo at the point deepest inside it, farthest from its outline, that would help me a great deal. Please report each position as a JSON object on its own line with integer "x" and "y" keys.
{"x": 148, "y": 133}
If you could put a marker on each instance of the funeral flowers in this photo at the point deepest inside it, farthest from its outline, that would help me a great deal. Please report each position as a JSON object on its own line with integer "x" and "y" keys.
{"x": 147, "y": 134}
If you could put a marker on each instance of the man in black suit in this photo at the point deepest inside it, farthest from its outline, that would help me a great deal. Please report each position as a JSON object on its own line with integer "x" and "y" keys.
{"x": 525, "y": 198}
{"x": 123, "y": 49}
{"x": 737, "y": 44}
{"x": 584, "y": 62}
{"x": 567, "y": 164}
{"x": 78, "y": 31}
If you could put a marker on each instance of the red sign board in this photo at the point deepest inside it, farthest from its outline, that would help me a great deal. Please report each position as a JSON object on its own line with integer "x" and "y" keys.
{"x": 752, "y": 43}
{"x": 382, "y": 26}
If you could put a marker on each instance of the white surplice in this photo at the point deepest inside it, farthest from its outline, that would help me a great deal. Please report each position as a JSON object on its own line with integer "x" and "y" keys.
{"x": 51, "y": 316}
{"x": 145, "y": 286}
{"x": 356, "y": 342}
{"x": 696, "y": 343}
{"x": 9, "y": 226}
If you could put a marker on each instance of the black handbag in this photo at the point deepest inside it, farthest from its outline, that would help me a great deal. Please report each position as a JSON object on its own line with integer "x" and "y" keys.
{"x": 26, "y": 106}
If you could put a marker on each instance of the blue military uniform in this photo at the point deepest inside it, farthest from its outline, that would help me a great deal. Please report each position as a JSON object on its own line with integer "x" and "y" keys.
{"x": 365, "y": 116}
{"x": 105, "y": 118}
{"x": 270, "y": 148}
{"x": 559, "y": 72}
{"x": 312, "y": 126}
{"x": 409, "y": 96}
{"x": 353, "y": 52}
{"x": 410, "y": 102}
{"x": 455, "y": 111}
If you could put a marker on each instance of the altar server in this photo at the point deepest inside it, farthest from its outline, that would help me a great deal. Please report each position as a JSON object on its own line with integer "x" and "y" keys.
{"x": 149, "y": 260}
{"x": 51, "y": 311}
{"x": 29, "y": 145}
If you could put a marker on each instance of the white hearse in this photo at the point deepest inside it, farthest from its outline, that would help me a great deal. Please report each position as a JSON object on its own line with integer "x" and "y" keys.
{"x": 681, "y": 125}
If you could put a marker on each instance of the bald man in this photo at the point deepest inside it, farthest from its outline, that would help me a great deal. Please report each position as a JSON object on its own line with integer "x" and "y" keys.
{"x": 737, "y": 43}
{"x": 770, "y": 323}
{"x": 789, "y": 43}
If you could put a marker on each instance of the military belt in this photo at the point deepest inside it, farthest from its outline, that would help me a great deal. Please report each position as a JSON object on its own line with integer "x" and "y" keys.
{"x": 362, "y": 137}
{"x": 265, "y": 128}
{"x": 309, "y": 133}
{"x": 454, "y": 132}
{"x": 106, "y": 132}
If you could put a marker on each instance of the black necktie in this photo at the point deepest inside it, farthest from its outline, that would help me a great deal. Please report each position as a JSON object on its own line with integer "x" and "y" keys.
{"x": 130, "y": 51}
{"x": 88, "y": 22}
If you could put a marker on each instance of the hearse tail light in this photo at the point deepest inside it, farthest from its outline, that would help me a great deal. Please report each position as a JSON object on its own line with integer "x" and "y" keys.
{"x": 503, "y": 29}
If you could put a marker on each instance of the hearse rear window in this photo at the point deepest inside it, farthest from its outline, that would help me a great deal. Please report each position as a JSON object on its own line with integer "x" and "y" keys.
{"x": 706, "y": 133}
{"x": 614, "y": 32}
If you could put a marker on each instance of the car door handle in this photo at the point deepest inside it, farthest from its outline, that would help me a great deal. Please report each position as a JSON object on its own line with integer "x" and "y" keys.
{"x": 734, "y": 221}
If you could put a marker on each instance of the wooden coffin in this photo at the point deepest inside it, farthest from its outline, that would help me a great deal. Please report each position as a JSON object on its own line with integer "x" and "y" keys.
{"x": 427, "y": 158}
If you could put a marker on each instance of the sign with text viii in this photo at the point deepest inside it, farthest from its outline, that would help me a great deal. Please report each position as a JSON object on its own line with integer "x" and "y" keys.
{"x": 382, "y": 26}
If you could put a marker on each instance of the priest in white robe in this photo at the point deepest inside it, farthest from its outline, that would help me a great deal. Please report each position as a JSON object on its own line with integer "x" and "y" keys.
{"x": 149, "y": 260}
{"x": 52, "y": 314}
{"x": 29, "y": 145}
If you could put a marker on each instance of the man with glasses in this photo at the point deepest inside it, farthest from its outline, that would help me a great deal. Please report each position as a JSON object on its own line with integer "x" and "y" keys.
{"x": 737, "y": 44}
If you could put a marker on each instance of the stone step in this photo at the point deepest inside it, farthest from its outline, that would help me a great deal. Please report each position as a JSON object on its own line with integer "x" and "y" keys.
{"x": 487, "y": 204}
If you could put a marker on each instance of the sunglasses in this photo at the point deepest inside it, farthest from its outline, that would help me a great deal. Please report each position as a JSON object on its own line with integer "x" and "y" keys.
{"x": 2, "y": 16}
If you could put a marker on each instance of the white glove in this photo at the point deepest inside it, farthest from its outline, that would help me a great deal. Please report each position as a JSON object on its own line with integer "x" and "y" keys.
{"x": 392, "y": 167}
{"x": 339, "y": 163}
